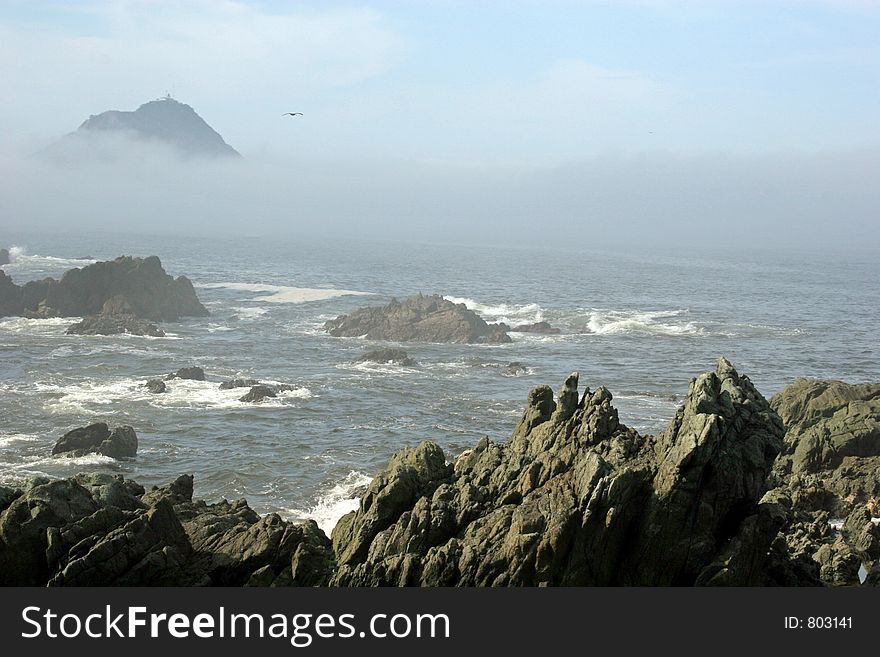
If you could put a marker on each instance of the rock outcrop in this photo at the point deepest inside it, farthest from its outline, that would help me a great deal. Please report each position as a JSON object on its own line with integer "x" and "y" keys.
{"x": 99, "y": 530}
{"x": 829, "y": 473}
{"x": 537, "y": 327}
{"x": 393, "y": 356}
{"x": 115, "y": 325}
{"x": 4, "y": 257}
{"x": 97, "y": 438}
{"x": 577, "y": 498}
{"x": 117, "y": 288}
{"x": 238, "y": 383}
{"x": 417, "y": 319}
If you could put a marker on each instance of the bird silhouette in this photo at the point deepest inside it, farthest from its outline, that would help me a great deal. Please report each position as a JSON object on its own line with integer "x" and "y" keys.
{"x": 292, "y": 114}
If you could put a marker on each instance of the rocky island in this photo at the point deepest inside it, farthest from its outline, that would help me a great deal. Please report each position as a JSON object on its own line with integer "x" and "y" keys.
{"x": 124, "y": 295}
{"x": 418, "y": 319}
{"x": 738, "y": 490}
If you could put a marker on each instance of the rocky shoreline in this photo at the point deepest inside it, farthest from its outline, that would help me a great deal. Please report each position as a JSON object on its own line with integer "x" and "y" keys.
{"x": 738, "y": 490}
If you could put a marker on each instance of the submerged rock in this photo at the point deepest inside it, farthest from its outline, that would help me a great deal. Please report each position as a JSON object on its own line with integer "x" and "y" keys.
{"x": 515, "y": 368}
{"x": 258, "y": 393}
{"x": 97, "y": 438}
{"x": 191, "y": 373}
{"x": 114, "y": 325}
{"x": 238, "y": 383}
{"x": 395, "y": 356}
{"x": 156, "y": 386}
{"x": 537, "y": 327}
{"x": 417, "y": 319}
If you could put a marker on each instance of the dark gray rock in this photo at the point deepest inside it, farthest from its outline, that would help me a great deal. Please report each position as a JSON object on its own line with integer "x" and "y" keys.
{"x": 417, "y": 319}
{"x": 114, "y": 325}
{"x": 537, "y": 327}
{"x": 11, "y": 299}
{"x": 156, "y": 386}
{"x": 394, "y": 356}
{"x": 515, "y": 369}
{"x": 238, "y": 383}
{"x": 258, "y": 393}
{"x": 4, "y": 257}
{"x": 98, "y": 439}
{"x": 126, "y": 285}
{"x": 577, "y": 498}
{"x": 191, "y": 373}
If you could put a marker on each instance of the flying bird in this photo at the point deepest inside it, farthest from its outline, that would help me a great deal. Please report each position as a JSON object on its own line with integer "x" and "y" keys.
{"x": 292, "y": 114}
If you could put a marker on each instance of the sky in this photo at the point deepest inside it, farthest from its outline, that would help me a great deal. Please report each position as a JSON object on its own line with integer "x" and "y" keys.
{"x": 634, "y": 120}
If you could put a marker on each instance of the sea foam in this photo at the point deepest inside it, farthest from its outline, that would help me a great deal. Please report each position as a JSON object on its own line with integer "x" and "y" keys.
{"x": 285, "y": 293}
{"x": 334, "y": 502}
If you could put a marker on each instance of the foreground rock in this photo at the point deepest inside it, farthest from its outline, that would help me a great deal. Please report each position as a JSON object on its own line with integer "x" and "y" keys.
{"x": 99, "y": 530}
{"x": 577, "y": 498}
{"x": 393, "y": 356}
{"x": 97, "y": 438}
{"x": 114, "y": 325}
{"x": 127, "y": 285}
{"x": 10, "y": 296}
{"x": 417, "y": 319}
{"x": 829, "y": 475}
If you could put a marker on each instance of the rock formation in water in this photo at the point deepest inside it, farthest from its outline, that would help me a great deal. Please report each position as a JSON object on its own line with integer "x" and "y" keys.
{"x": 97, "y": 438}
{"x": 417, "y": 319}
{"x": 393, "y": 356}
{"x": 156, "y": 386}
{"x": 238, "y": 383}
{"x": 537, "y": 327}
{"x": 125, "y": 289}
{"x": 192, "y": 373}
{"x": 115, "y": 325}
{"x": 4, "y": 257}
{"x": 724, "y": 496}
{"x": 167, "y": 122}
{"x": 263, "y": 391}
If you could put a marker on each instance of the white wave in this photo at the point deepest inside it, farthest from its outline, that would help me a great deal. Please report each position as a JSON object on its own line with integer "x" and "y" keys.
{"x": 18, "y": 256}
{"x": 285, "y": 293}
{"x": 181, "y": 393}
{"x": 511, "y": 314}
{"x": 37, "y": 326}
{"x": 250, "y": 312}
{"x": 369, "y": 367}
{"x": 334, "y": 502}
{"x": 613, "y": 322}
{"x": 9, "y": 439}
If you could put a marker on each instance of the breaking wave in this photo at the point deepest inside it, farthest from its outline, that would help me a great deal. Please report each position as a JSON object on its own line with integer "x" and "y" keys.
{"x": 659, "y": 322}
{"x": 285, "y": 293}
{"x": 511, "y": 314}
{"x": 333, "y": 503}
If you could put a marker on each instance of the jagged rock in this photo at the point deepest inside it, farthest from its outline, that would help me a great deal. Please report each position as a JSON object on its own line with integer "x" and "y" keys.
{"x": 258, "y": 393}
{"x": 99, "y": 530}
{"x": 98, "y": 439}
{"x": 577, "y": 498}
{"x": 7, "y": 496}
{"x": 238, "y": 383}
{"x": 4, "y": 257}
{"x": 11, "y": 300}
{"x": 537, "y": 327}
{"x": 114, "y": 325}
{"x": 395, "y": 356}
{"x": 830, "y": 467}
{"x": 156, "y": 386}
{"x": 126, "y": 285}
{"x": 420, "y": 319}
{"x": 191, "y": 373}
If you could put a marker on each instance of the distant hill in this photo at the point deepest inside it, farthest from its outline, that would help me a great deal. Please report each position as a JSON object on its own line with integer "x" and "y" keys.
{"x": 165, "y": 121}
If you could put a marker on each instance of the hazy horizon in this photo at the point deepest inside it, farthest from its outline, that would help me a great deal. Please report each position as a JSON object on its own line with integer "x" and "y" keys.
{"x": 646, "y": 123}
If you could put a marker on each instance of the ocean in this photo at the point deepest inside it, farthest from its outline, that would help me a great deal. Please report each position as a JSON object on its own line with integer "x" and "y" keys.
{"x": 642, "y": 322}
